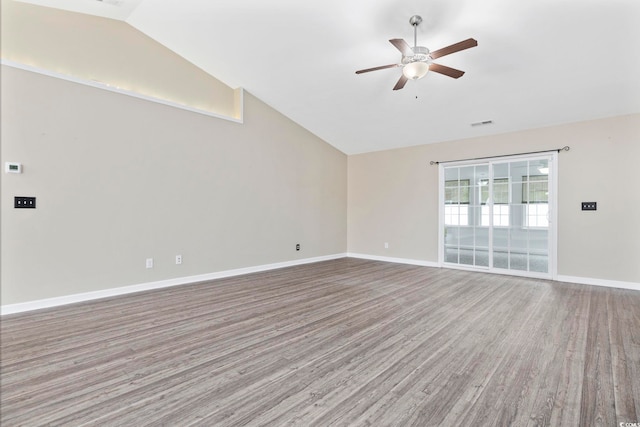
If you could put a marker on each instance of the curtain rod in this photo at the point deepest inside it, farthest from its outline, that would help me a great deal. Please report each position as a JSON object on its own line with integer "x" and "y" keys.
{"x": 565, "y": 148}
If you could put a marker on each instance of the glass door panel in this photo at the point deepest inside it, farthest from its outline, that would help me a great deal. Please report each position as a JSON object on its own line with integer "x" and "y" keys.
{"x": 496, "y": 215}
{"x": 466, "y": 231}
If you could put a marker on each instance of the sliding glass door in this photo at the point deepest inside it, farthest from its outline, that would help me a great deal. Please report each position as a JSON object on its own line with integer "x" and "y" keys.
{"x": 497, "y": 215}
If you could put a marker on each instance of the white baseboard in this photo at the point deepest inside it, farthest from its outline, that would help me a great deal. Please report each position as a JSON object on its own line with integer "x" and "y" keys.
{"x": 599, "y": 282}
{"x": 88, "y": 296}
{"x": 560, "y": 278}
{"x": 395, "y": 260}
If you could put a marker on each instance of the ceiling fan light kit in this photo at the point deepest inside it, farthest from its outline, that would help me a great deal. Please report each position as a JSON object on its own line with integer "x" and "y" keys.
{"x": 415, "y": 70}
{"x": 417, "y": 61}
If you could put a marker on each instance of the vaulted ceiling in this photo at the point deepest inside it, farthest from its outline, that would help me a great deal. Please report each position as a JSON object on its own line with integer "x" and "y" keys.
{"x": 537, "y": 63}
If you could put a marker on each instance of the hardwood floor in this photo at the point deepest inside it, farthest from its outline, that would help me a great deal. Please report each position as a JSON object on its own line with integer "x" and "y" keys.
{"x": 344, "y": 342}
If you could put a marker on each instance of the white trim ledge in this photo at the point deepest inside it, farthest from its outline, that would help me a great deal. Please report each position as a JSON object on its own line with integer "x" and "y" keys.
{"x": 599, "y": 282}
{"x": 239, "y": 93}
{"x": 106, "y": 293}
{"x": 395, "y": 260}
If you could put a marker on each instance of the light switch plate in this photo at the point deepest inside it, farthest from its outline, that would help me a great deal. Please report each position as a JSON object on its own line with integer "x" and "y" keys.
{"x": 21, "y": 202}
{"x": 12, "y": 167}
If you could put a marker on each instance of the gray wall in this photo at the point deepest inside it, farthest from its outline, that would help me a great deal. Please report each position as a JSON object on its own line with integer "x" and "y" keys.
{"x": 393, "y": 195}
{"x": 119, "y": 180}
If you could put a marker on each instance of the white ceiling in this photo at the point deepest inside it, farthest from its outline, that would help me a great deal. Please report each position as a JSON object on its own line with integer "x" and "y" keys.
{"x": 538, "y": 62}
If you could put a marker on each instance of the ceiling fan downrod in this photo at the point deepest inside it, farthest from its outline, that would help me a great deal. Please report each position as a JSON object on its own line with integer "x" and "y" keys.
{"x": 415, "y": 20}
{"x": 419, "y": 54}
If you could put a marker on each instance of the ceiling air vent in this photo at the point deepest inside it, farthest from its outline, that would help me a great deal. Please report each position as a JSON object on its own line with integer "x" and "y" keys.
{"x": 482, "y": 123}
{"x": 112, "y": 2}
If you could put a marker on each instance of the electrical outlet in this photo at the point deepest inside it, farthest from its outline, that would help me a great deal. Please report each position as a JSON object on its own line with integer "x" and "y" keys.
{"x": 297, "y": 246}
{"x": 178, "y": 259}
{"x": 386, "y": 245}
{"x": 149, "y": 263}
{"x": 589, "y": 206}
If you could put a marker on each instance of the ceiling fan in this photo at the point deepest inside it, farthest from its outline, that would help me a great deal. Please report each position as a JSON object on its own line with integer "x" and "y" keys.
{"x": 418, "y": 60}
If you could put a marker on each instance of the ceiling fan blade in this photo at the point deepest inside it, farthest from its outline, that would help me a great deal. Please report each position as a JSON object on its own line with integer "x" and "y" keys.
{"x": 402, "y": 46}
{"x": 457, "y": 47}
{"x": 400, "y": 84}
{"x": 382, "y": 67}
{"x": 447, "y": 71}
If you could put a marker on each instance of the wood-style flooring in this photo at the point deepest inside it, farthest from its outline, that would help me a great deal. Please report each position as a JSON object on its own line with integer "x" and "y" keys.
{"x": 347, "y": 342}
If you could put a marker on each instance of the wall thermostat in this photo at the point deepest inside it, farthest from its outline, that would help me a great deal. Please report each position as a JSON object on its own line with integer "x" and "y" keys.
{"x": 11, "y": 167}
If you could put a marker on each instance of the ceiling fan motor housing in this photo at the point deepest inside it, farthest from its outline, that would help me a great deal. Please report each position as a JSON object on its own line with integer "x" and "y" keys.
{"x": 420, "y": 54}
